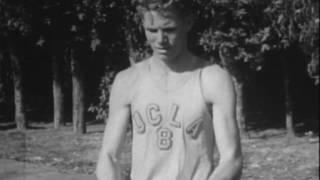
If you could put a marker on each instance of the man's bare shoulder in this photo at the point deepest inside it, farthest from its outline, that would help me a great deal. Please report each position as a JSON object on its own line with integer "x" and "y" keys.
{"x": 125, "y": 83}
{"x": 130, "y": 75}
{"x": 215, "y": 73}
{"x": 216, "y": 81}
{"x": 123, "y": 86}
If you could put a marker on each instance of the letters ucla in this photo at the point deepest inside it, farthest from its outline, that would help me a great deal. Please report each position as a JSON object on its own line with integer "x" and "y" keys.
{"x": 165, "y": 134}
{"x": 172, "y": 129}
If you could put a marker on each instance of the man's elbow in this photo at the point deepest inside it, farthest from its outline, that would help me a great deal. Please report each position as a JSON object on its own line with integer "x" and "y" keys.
{"x": 102, "y": 167}
{"x": 99, "y": 174}
{"x": 238, "y": 165}
{"x": 107, "y": 161}
{"x": 235, "y": 164}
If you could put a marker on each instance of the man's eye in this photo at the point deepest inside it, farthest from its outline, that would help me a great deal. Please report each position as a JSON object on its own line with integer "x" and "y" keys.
{"x": 170, "y": 30}
{"x": 152, "y": 30}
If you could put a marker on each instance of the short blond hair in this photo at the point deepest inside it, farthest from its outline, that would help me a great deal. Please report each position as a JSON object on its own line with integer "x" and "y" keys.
{"x": 183, "y": 7}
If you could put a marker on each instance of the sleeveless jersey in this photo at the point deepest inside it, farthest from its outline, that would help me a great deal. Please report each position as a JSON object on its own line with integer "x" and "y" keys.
{"x": 172, "y": 130}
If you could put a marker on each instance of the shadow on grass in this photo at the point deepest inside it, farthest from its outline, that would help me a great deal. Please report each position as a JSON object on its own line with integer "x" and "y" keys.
{"x": 95, "y": 122}
{"x": 12, "y": 126}
{"x": 95, "y": 132}
{"x": 30, "y": 127}
{"x": 7, "y": 126}
{"x": 266, "y": 134}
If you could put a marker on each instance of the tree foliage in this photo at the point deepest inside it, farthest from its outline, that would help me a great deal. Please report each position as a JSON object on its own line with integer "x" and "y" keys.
{"x": 15, "y": 16}
{"x": 101, "y": 109}
{"x": 238, "y": 33}
{"x": 294, "y": 21}
{"x": 235, "y": 34}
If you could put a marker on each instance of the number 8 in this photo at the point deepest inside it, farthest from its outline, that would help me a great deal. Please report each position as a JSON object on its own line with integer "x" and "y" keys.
{"x": 165, "y": 138}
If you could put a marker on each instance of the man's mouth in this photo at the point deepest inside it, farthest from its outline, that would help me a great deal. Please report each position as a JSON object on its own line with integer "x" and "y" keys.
{"x": 162, "y": 49}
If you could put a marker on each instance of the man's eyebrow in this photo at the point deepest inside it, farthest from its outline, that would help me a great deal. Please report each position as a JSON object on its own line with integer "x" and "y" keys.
{"x": 170, "y": 24}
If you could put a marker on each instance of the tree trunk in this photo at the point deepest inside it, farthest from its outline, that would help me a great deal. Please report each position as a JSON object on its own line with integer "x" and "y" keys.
{"x": 1, "y": 81}
{"x": 288, "y": 101}
{"x": 19, "y": 114}
{"x": 79, "y": 126}
{"x": 240, "y": 113}
{"x": 58, "y": 95}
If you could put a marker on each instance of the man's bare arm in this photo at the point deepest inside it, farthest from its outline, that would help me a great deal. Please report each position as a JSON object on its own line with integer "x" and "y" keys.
{"x": 108, "y": 167}
{"x": 219, "y": 90}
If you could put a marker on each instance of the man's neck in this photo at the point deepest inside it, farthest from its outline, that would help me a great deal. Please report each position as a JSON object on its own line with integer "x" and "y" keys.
{"x": 180, "y": 63}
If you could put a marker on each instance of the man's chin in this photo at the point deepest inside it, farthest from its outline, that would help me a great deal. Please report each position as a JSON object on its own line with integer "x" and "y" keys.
{"x": 163, "y": 56}
{"x": 162, "y": 52}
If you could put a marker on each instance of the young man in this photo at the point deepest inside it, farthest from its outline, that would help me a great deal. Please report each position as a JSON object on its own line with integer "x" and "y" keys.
{"x": 180, "y": 108}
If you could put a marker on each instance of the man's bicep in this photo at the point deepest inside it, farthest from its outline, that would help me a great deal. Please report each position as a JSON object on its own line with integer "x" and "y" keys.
{"x": 220, "y": 92}
{"x": 224, "y": 118}
{"x": 115, "y": 131}
{"x": 119, "y": 114}
{"x": 226, "y": 132}
{"x": 119, "y": 93}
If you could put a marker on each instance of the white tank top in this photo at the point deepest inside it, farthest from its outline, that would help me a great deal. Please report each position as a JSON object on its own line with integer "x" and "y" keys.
{"x": 173, "y": 135}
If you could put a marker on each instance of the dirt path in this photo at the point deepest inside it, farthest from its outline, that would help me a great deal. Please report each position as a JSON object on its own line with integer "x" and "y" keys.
{"x": 13, "y": 170}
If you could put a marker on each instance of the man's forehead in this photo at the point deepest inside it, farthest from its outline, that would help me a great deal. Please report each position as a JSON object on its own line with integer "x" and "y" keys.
{"x": 154, "y": 18}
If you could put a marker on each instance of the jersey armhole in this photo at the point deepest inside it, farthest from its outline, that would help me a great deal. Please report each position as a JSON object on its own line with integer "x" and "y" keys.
{"x": 138, "y": 70}
{"x": 201, "y": 85}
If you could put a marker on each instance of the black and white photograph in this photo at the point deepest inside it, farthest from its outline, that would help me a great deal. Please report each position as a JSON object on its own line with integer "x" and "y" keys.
{"x": 159, "y": 90}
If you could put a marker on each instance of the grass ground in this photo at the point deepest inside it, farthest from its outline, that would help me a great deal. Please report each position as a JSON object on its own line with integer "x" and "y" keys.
{"x": 268, "y": 154}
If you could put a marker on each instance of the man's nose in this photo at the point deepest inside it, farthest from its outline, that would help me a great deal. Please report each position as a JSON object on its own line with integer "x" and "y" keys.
{"x": 162, "y": 37}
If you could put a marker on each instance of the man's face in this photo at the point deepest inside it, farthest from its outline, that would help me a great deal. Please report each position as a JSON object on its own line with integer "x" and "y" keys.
{"x": 166, "y": 33}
